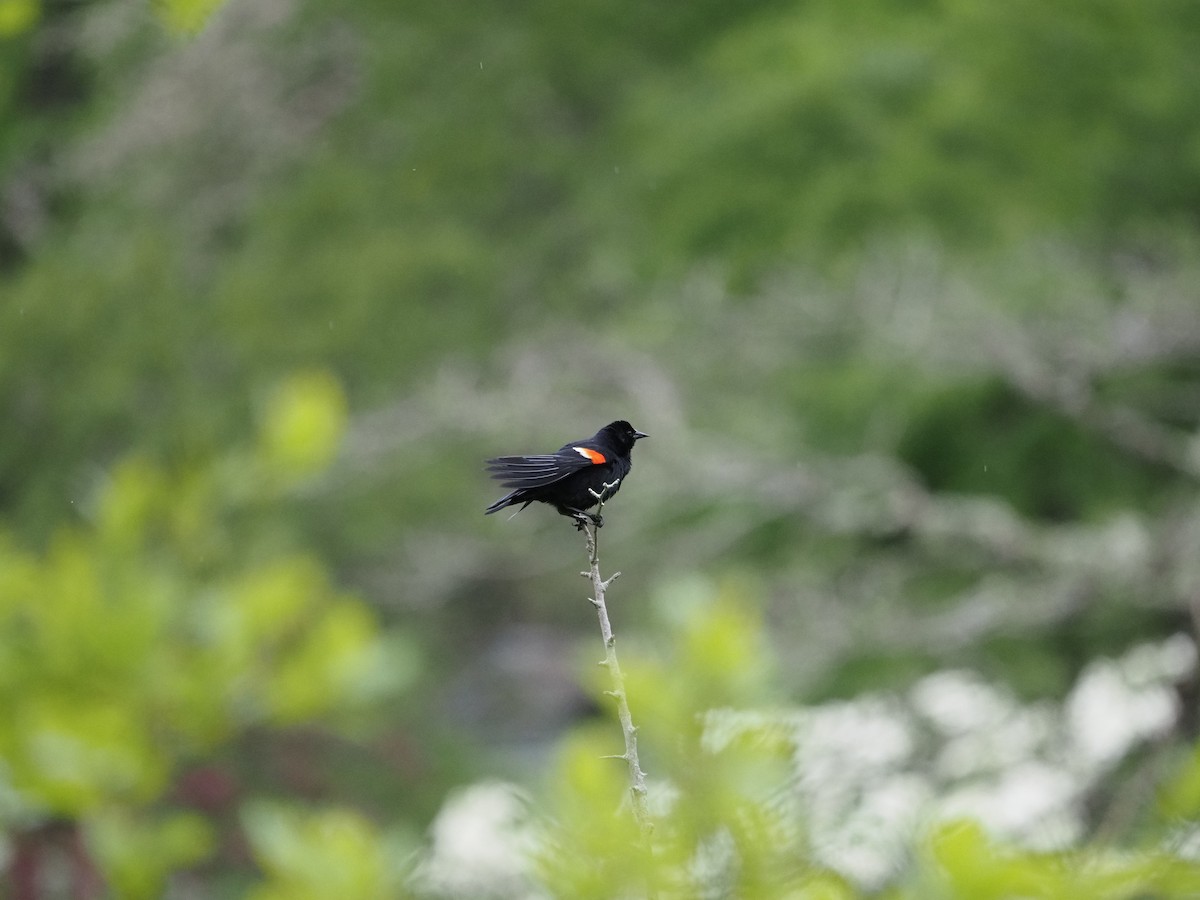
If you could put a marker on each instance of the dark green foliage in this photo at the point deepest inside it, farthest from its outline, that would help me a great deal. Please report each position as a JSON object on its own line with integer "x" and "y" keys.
{"x": 822, "y": 124}
{"x": 985, "y": 438}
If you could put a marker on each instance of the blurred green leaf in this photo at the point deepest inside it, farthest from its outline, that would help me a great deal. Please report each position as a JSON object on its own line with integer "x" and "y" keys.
{"x": 17, "y": 16}
{"x": 132, "y": 644}
{"x": 315, "y": 855}
{"x": 1179, "y": 794}
{"x": 186, "y": 16}
{"x": 303, "y": 424}
{"x": 138, "y": 854}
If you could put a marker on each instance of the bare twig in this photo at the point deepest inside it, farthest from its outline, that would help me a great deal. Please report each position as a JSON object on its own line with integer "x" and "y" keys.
{"x": 637, "y": 778}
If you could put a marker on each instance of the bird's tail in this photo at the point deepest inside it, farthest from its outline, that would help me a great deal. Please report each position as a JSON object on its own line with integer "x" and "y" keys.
{"x": 507, "y": 500}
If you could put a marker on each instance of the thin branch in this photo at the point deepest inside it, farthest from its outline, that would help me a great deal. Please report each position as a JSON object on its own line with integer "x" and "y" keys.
{"x": 637, "y": 778}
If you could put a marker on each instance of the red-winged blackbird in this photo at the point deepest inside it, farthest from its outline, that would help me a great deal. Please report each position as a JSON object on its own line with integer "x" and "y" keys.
{"x": 567, "y": 479}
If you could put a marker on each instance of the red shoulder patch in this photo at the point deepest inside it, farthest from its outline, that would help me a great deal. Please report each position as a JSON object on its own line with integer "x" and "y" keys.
{"x": 595, "y": 456}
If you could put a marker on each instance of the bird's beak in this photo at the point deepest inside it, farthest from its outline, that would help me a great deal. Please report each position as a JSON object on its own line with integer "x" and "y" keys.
{"x": 637, "y": 435}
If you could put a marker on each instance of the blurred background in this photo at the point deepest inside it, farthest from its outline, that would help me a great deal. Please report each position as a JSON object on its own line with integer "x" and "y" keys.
{"x": 907, "y": 295}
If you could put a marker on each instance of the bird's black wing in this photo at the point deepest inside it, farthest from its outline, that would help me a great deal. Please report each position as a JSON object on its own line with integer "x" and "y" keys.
{"x": 545, "y": 469}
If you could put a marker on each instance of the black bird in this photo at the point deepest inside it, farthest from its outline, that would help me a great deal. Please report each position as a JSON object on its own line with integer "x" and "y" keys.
{"x": 566, "y": 479}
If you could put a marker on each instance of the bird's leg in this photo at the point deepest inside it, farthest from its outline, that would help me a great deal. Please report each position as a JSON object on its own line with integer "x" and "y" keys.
{"x": 581, "y": 518}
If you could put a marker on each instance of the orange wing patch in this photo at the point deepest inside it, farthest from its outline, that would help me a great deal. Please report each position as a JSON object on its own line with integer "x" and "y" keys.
{"x": 595, "y": 456}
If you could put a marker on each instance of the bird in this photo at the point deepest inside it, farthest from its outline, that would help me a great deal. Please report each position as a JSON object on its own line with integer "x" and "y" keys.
{"x": 574, "y": 478}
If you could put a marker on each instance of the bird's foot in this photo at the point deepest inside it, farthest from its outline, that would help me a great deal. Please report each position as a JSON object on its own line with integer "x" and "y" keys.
{"x": 582, "y": 518}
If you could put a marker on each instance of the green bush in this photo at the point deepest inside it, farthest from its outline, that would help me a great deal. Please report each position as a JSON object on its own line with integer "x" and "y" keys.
{"x": 165, "y": 624}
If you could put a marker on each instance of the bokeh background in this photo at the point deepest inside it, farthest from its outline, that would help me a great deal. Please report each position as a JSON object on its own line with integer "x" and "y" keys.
{"x": 907, "y": 294}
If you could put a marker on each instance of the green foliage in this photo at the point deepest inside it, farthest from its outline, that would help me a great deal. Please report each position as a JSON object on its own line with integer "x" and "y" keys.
{"x": 960, "y": 434}
{"x": 968, "y": 864}
{"x": 1179, "y": 794}
{"x": 155, "y": 632}
{"x": 187, "y": 16}
{"x": 986, "y": 438}
{"x": 817, "y": 125}
{"x": 724, "y": 829}
{"x": 310, "y": 855}
{"x": 727, "y": 783}
{"x": 17, "y": 16}
{"x": 138, "y": 853}
{"x": 304, "y": 425}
